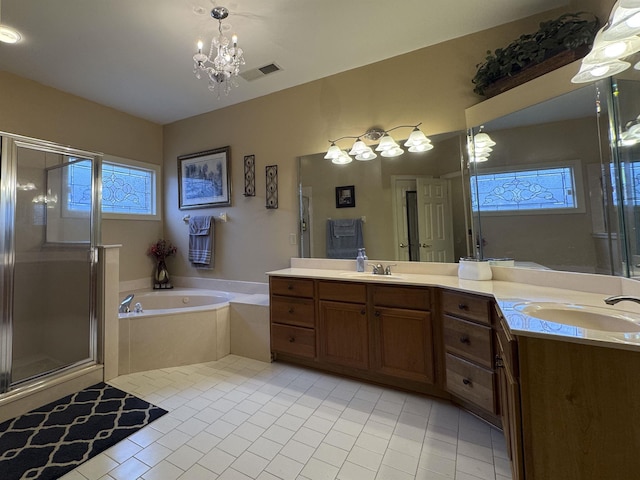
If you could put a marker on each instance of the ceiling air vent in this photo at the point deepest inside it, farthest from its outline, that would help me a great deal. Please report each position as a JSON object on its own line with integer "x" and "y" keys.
{"x": 260, "y": 72}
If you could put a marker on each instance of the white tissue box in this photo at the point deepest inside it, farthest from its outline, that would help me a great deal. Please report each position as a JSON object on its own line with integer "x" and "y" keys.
{"x": 472, "y": 269}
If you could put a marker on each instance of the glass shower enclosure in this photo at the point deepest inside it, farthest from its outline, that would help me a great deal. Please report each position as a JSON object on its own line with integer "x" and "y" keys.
{"x": 49, "y": 225}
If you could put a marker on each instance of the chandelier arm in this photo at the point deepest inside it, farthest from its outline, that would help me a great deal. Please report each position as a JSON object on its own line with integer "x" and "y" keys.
{"x": 342, "y": 138}
{"x": 403, "y": 126}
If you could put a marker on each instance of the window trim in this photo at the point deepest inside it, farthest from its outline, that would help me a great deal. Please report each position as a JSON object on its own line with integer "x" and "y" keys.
{"x": 125, "y": 162}
{"x": 574, "y": 165}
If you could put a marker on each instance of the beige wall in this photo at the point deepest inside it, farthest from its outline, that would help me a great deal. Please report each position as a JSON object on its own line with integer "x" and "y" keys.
{"x": 34, "y": 110}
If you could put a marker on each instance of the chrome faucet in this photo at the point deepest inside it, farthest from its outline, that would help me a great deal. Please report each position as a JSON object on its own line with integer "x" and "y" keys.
{"x": 379, "y": 269}
{"x": 125, "y": 304}
{"x": 620, "y": 298}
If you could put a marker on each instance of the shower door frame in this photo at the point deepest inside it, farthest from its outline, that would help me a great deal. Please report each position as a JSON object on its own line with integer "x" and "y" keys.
{"x": 9, "y": 144}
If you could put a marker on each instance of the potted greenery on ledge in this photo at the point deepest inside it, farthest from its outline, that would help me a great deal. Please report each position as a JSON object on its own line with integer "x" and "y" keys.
{"x": 557, "y": 43}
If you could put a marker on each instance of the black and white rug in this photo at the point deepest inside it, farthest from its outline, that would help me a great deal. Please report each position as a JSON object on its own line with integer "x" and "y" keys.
{"x": 52, "y": 440}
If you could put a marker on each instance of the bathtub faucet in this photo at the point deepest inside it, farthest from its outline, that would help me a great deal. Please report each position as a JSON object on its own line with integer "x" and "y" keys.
{"x": 125, "y": 304}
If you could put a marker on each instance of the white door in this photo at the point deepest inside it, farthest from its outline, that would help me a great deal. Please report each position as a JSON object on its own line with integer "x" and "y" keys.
{"x": 434, "y": 220}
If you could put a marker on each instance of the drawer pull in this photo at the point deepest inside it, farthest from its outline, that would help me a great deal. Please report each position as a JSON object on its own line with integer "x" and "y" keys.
{"x": 377, "y": 314}
{"x": 292, "y": 339}
{"x": 498, "y": 362}
{"x": 363, "y": 311}
{"x": 290, "y": 309}
{"x": 467, "y": 382}
{"x": 463, "y": 306}
{"x": 290, "y": 286}
{"x": 465, "y": 339}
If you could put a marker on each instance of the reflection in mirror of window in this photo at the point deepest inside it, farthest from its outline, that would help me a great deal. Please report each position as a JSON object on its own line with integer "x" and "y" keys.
{"x": 539, "y": 189}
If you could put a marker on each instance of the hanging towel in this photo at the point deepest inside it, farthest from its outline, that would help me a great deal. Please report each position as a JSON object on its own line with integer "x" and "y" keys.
{"x": 344, "y": 238}
{"x": 201, "y": 241}
{"x": 345, "y": 227}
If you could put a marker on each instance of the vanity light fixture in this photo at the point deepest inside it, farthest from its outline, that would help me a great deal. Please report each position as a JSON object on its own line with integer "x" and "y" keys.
{"x": 479, "y": 147}
{"x": 624, "y": 23}
{"x": 222, "y": 64}
{"x": 8, "y": 34}
{"x": 387, "y": 146}
{"x": 616, "y": 40}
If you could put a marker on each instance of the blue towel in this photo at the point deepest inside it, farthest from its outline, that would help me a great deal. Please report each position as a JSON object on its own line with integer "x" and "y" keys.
{"x": 201, "y": 241}
{"x": 345, "y": 227}
{"x": 340, "y": 244}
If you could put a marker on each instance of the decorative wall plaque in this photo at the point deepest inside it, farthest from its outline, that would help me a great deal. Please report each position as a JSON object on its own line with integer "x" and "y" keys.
{"x": 250, "y": 176}
{"x": 271, "y": 174}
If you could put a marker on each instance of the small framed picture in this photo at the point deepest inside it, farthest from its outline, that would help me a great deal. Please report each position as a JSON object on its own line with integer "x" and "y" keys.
{"x": 204, "y": 179}
{"x": 345, "y": 196}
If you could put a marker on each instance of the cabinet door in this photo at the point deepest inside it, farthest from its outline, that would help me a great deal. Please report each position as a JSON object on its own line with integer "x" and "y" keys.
{"x": 344, "y": 334}
{"x": 404, "y": 344}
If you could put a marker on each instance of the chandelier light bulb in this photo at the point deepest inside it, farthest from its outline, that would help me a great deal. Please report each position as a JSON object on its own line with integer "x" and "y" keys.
{"x": 367, "y": 155}
{"x": 358, "y": 147}
{"x": 9, "y": 35}
{"x": 386, "y": 143}
{"x": 342, "y": 159}
{"x": 333, "y": 152}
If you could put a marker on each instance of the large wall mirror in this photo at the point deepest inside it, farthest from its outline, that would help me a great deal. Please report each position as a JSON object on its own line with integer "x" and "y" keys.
{"x": 412, "y": 207}
{"x": 559, "y": 188}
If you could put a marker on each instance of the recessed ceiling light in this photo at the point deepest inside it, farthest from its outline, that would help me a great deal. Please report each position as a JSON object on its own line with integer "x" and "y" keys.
{"x": 9, "y": 35}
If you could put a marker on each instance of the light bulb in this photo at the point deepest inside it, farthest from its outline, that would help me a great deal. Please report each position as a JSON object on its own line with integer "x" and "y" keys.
{"x": 615, "y": 50}
{"x": 599, "y": 71}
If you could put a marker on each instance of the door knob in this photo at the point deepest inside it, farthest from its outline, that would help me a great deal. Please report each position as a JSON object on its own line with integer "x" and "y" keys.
{"x": 402, "y": 245}
{"x": 424, "y": 245}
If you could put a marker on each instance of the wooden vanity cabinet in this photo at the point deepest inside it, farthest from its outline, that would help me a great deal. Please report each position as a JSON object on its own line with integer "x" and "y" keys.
{"x": 343, "y": 324}
{"x": 469, "y": 353}
{"x": 292, "y": 312}
{"x": 402, "y": 333}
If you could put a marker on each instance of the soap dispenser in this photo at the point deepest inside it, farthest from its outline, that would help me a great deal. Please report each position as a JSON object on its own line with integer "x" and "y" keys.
{"x": 360, "y": 260}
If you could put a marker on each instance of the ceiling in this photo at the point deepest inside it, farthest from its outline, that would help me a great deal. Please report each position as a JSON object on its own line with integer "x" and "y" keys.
{"x": 136, "y": 55}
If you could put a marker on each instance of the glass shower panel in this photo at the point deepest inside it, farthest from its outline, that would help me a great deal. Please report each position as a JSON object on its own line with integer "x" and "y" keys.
{"x": 52, "y": 276}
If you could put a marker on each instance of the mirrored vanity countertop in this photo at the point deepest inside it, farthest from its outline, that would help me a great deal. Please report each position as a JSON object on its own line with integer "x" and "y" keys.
{"x": 530, "y": 286}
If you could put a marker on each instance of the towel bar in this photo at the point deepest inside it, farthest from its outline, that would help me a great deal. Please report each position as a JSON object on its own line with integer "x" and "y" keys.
{"x": 221, "y": 218}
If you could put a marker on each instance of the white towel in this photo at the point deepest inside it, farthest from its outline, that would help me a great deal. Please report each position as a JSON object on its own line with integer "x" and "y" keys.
{"x": 201, "y": 241}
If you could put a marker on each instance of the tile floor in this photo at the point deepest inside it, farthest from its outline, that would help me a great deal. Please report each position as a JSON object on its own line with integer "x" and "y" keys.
{"x": 240, "y": 419}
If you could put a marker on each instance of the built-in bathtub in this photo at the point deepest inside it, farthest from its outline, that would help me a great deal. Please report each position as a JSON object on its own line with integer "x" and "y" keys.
{"x": 176, "y": 301}
{"x": 176, "y": 327}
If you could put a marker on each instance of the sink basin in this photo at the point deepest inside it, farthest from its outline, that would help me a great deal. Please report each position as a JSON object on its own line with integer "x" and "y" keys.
{"x": 371, "y": 276}
{"x": 583, "y": 316}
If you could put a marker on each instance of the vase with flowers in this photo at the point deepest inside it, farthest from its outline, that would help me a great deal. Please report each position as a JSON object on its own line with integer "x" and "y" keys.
{"x": 160, "y": 251}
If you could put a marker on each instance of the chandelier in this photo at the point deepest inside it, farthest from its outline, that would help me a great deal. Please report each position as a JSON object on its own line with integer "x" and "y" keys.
{"x": 222, "y": 65}
{"x": 417, "y": 142}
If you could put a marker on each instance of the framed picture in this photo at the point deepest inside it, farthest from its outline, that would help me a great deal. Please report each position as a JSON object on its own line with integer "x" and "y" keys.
{"x": 204, "y": 179}
{"x": 345, "y": 196}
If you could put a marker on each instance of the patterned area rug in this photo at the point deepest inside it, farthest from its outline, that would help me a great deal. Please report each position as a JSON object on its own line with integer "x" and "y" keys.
{"x": 50, "y": 441}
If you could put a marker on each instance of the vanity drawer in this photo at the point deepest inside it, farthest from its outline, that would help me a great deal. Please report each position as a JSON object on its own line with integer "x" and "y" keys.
{"x": 402, "y": 297}
{"x": 342, "y": 292}
{"x": 293, "y": 287}
{"x": 468, "y": 340}
{"x": 293, "y": 311}
{"x": 466, "y": 306}
{"x": 470, "y": 382}
{"x": 294, "y": 340}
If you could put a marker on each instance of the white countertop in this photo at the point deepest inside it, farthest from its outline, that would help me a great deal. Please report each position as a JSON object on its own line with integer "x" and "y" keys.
{"x": 590, "y": 291}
